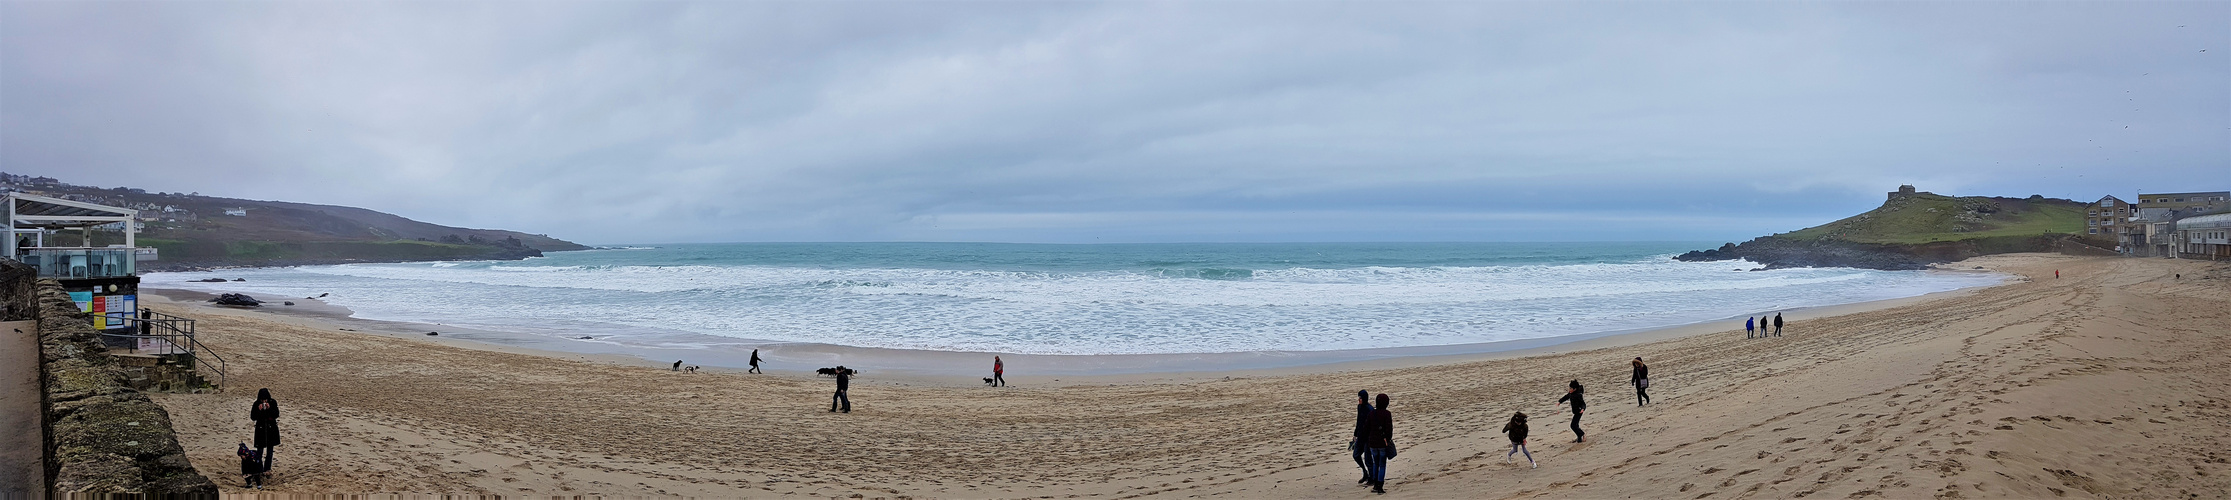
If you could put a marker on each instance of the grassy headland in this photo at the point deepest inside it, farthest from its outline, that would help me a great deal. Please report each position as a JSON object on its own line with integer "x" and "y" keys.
{"x": 1913, "y": 231}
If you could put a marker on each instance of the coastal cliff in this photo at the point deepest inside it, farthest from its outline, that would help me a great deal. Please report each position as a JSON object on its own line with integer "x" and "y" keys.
{"x": 191, "y": 231}
{"x": 1915, "y": 229}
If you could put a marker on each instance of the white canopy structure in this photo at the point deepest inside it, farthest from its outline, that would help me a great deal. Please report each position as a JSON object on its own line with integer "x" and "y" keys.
{"x": 32, "y": 215}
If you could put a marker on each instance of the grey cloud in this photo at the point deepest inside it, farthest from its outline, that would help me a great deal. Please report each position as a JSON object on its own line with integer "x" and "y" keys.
{"x": 647, "y": 122}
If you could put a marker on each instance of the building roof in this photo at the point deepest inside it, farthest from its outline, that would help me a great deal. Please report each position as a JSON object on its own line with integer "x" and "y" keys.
{"x": 34, "y": 211}
{"x": 2205, "y": 221}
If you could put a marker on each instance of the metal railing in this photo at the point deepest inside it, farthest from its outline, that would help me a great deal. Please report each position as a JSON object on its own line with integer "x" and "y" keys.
{"x": 73, "y": 263}
{"x": 170, "y": 334}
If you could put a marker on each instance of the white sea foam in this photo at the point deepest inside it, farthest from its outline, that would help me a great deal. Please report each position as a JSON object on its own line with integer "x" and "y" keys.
{"x": 1101, "y": 311}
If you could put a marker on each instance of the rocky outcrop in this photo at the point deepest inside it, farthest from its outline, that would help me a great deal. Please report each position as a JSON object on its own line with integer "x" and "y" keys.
{"x": 1778, "y": 253}
{"x": 108, "y": 438}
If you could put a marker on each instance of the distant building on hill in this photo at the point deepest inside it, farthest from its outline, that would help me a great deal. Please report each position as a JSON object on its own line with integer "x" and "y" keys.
{"x": 1904, "y": 190}
{"x": 236, "y": 212}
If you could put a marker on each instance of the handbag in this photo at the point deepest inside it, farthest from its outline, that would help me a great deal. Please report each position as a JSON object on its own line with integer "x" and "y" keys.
{"x": 1390, "y": 448}
{"x": 1645, "y": 383}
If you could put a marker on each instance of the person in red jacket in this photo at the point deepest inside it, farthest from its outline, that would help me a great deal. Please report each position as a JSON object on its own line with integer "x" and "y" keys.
{"x": 999, "y": 372}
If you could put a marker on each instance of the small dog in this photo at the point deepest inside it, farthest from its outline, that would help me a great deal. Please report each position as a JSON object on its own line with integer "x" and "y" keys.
{"x": 987, "y": 381}
{"x": 689, "y": 369}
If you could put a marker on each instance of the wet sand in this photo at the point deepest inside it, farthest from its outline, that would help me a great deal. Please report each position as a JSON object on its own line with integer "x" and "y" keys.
{"x": 2104, "y": 383}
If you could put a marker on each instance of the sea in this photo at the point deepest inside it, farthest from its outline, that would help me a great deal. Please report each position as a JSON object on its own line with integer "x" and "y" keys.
{"x": 1079, "y": 299}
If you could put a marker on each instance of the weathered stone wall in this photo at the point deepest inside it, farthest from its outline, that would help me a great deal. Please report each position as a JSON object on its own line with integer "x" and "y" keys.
{"x": 108, "y": 438}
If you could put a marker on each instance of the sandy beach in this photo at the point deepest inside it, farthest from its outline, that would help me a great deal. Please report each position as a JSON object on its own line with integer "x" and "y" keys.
{"x": 2105, "y": 382}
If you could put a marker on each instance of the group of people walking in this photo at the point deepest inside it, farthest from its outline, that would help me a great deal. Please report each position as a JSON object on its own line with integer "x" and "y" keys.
{"x": 1373, "y": 442}
{"x": 1758, "y": 327}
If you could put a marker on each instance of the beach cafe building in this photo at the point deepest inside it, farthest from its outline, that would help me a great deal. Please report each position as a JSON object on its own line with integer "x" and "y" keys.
{"x": 103, "y": 280}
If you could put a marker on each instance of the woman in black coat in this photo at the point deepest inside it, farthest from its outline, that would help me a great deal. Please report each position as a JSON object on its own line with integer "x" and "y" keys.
{"x": 265, "y": 412}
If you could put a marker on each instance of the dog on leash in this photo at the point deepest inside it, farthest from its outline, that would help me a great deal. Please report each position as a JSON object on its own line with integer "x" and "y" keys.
{"x": 987, "y": 381}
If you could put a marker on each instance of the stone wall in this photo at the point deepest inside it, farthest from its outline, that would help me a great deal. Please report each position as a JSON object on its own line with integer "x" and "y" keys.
{"x": 107, "y": 437}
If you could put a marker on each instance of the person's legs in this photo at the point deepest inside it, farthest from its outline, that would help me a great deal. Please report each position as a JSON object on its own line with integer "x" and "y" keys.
{"x": 1642, "y": 396}
{"x": 267, "y": 458}
{"x": 1529, "y": 454}
{"x": 999, "y": 379}
{"x": 847, "y": 400}
{"x": 1355, "y": 450}
{"x": 1378, "y": 469}
{"x": 833, "y": 400}
{"x": 1578, "y": 435}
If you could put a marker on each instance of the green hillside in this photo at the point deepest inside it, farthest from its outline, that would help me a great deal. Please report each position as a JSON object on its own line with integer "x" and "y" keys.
{"x": 1928, "y": 217}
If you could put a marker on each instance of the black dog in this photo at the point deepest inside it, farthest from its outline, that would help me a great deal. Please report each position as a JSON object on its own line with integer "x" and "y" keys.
{"x": 831, "y": 372}
{"x": 987, "y": 381}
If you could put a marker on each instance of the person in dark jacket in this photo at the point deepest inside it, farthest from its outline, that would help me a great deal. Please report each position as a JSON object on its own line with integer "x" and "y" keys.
{"x": 1641, "y": 382}
{"x": 265, "y": 411}
{"x": 251, "y": 467}
{"x": 1355, "y": 442}
{"x": 754, "y": 362}
{"x": 1380, "y": 438}
{"x": 844, "y": 382}
{"x": 1777, "y": 324}
{"x": 1748, "y": 322}
{"x": 1572, "y": 394}
{"x": 1517, "y": 429}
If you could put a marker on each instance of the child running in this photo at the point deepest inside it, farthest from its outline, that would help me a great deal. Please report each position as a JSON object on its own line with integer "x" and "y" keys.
{"x": 1517, "y": 429}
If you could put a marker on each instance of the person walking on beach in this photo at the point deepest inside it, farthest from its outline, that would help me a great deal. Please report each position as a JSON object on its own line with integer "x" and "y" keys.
{"x": 844, "y": 382}
{"x": 1777, "y": 324}
{"x": 1380, "y": 439}
{"x": 265, "y": 412}
{"x": 999, "y": 373}
{"x": 1572, "y": 394}
{"x": 754, "y": 362}
{"x": 1363, "y": 428}
{"x": 1641, "y": 381}
{"x": 1517, "y": 429}
{"x": 1747, "y": 322}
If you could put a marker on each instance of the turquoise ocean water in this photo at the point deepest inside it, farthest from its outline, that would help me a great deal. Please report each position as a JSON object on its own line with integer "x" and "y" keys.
{"x": 1080, "y": 299}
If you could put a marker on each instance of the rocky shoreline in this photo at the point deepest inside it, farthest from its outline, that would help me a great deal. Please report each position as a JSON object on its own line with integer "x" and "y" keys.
{"x": 1781, "y": 253}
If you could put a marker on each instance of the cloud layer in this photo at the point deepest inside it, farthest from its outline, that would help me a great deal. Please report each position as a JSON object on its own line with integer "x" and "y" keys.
{"x": 1083, "y": 122}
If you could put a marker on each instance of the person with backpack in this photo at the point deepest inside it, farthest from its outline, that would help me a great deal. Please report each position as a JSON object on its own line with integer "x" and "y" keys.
{"x": 251, "y": 467}
{"x": 1572, "y": 394}
{"x": 1516, "y": 428}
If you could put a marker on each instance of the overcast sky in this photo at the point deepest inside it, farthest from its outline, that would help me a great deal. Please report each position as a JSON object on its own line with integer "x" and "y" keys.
{"x": 647, "y": 122}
